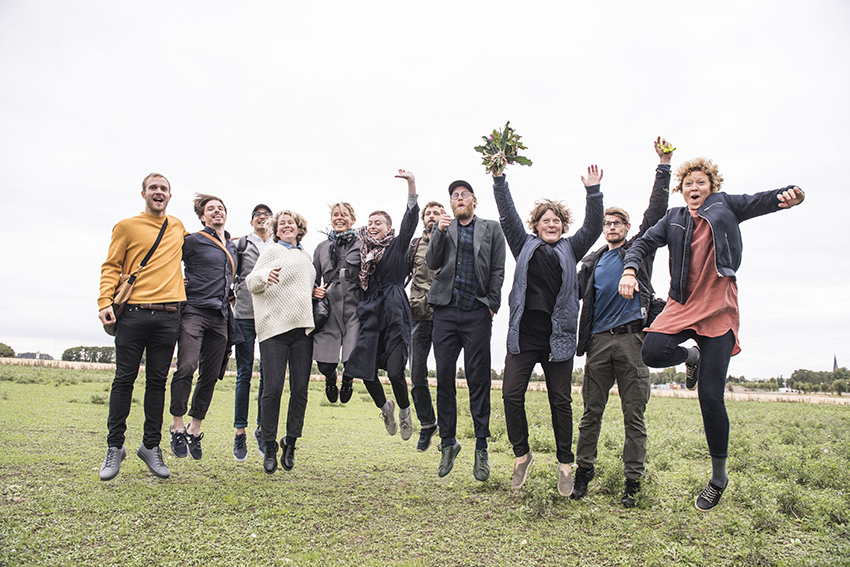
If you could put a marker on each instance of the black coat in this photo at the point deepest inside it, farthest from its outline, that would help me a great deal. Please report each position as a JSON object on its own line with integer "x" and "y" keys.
{"x": 658, "y": 201}
{"x": 384, "y": 311}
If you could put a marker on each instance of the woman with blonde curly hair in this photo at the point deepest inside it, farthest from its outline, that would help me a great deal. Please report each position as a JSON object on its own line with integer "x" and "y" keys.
{"x": 544, "y": 316}
{"x": 281, "y": 285}
{"x": 704, "y": 241}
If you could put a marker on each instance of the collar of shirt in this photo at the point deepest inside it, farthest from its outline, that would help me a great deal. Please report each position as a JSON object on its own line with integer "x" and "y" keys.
{"x": 290, "y": 246}
{"x": 258, "y": 242}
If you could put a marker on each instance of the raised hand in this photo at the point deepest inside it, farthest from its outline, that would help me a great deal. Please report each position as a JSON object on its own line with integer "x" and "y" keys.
{"x": 791, "y": 197}
{"x": 444, "y": 222}
{"x": 664, "y": 149}
{"x": 594, "y": 176}
{"x": 411, "y": 180}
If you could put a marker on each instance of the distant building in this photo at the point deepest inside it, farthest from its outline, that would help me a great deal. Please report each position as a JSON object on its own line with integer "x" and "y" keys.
{"x": 35, "y": 355}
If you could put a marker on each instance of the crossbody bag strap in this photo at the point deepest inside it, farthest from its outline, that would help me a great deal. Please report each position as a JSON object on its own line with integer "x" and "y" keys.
{"x": 147, "y": 257}
{"x": 220, "y": 245}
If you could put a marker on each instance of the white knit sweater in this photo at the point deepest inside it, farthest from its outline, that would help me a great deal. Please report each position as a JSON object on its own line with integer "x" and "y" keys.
{"x": 287, "y": 304}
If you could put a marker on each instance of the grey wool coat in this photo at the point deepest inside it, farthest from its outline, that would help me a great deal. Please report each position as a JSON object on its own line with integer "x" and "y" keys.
{"x": 340, "y": 332}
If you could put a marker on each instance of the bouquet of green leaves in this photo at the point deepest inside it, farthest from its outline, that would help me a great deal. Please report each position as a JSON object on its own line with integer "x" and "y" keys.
{"x": 500, "y": 149}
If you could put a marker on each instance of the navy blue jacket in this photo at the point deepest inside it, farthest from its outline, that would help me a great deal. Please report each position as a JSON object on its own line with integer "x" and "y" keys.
{"x": 565, "y": 315}
{"x": 724, "y": 213}
{"x": 208, "y": 270}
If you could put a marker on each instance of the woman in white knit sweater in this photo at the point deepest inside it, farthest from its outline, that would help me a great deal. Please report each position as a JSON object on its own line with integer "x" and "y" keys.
{"x": 282, "y": 286}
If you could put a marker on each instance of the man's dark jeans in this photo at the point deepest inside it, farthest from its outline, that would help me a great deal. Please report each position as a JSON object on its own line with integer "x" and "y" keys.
{"x": 139, "y": 330}
{"x": 662, "y": 351}
{"x": 203, "y": 338}
{"x": 420, "y": 347}
{"x": 296, "y": 349}
{"x": 244, "y": 372}
{"x": 456, "y": 329}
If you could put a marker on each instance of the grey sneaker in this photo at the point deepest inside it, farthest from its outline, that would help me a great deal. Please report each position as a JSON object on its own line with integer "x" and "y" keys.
{"x": 240, "y": 448}
{"x": 565, "y": 481}
{"x": 521, "y": 472}
{"x": 447, "y": 461}
{"x": 388, "y": 416}
{"x": 193, "y": 443}
{"x": 112, "y": 463}
{"x": 405, "y": 424}
{"x": 692, "y": 372}
{"x": 481, "y": 466}
{"x": 153, "y": 459}
{"x": 258, "y": 435}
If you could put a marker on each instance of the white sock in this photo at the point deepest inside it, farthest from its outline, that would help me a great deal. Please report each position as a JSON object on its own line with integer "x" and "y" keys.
{"x": 404, "y": 413}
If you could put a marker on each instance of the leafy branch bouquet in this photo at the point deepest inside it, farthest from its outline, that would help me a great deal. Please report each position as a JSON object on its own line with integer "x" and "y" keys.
{"x": 500, "y": 149}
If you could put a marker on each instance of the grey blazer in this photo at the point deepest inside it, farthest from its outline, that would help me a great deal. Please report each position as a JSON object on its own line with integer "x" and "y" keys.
{"x": 489, "y": 249}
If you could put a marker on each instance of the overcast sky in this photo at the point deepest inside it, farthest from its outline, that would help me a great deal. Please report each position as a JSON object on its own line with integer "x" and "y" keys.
{"x": 298, "y": 105}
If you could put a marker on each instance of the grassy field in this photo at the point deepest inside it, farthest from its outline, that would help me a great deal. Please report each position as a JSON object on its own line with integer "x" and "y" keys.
{"x": 360, "y": 497}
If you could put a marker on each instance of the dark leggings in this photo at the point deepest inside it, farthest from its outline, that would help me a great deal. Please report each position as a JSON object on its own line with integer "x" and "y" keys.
{"x": 327, "y": 368}
{"x": 395, "y": 371}
{"x": 662, "y": 351}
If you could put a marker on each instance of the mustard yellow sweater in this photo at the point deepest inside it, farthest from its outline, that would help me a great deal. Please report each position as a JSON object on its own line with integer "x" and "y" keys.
{"x": 161, "y": 281}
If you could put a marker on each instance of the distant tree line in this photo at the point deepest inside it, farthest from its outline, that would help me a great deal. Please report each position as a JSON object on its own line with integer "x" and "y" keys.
{"x": 104, "y": 354}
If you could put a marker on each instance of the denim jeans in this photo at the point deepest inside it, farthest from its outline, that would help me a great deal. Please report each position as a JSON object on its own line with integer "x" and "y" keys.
{"x": 456, "y": 329}
{"x": 661, "y": 351}
{"x": 139, "y": 330}
{"x": 420, "y": 347}
{"x": 295, "y": 349}
{"x": 244, "y": 373}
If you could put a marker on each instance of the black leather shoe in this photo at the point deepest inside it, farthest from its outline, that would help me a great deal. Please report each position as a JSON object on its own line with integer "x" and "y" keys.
{"x": 582, "y": 477}
{"x": 630, "y": 493}
{"x": 270, "y": 460}
{"x": 346, "y": 390}
{"x": 287, "y": 459}
{"x": 331, "y": 390}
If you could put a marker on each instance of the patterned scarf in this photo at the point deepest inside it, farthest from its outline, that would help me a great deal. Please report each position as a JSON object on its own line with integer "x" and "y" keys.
{"x": 371, "y": 251}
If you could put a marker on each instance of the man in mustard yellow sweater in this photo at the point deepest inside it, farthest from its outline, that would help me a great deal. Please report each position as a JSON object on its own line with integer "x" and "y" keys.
{"x": 150, "y": 322}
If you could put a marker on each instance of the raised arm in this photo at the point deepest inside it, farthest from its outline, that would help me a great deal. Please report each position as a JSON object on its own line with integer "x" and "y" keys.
{"x": 585, "y": 236}
{"x": 660, "y": 197}
{"x": 411, "y": 213}
{"x": 508, "y": 217}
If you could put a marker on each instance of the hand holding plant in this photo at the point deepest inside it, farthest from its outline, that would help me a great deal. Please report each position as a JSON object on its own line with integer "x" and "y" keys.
{"x": 500, "y": 149}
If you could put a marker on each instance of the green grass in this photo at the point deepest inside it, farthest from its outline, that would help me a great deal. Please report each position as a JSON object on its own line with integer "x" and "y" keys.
{"x": 360, "y": 497}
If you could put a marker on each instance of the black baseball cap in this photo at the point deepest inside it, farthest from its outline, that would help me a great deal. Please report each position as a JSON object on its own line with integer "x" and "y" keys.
{"x": 259, "y": 208}
{"x": 460, "y": 183}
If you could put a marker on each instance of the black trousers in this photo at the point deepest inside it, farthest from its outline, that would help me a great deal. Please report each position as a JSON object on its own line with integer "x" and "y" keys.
{"x": 559, "y": 375}
{"x": 295, "y": 349}
{"x": 456, "y": 329}
{"x": 395, "y": 372}
{"x": 202, "y": 345}
{"x": 141, "y": 330}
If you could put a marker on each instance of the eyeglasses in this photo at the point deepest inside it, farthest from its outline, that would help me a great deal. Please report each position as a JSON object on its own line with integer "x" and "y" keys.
{"x": 461, "y": 195}
{"x": 612, "y": 224}
{"x": 262, "y": 214}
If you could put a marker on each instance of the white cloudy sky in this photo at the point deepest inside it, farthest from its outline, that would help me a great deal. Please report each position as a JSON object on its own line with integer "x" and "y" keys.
{"x": 300, "y": 104}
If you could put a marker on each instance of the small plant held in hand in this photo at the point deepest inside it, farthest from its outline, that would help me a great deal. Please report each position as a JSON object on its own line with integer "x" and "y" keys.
{"x": 500, "y": 149}
{"x": 667, "y": 148}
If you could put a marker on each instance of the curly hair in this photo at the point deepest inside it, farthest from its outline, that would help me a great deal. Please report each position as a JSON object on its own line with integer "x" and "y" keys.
{"x": 300, "y": 223}
{"x": 560, "y": 208}
{"x": 706, "y": 166}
